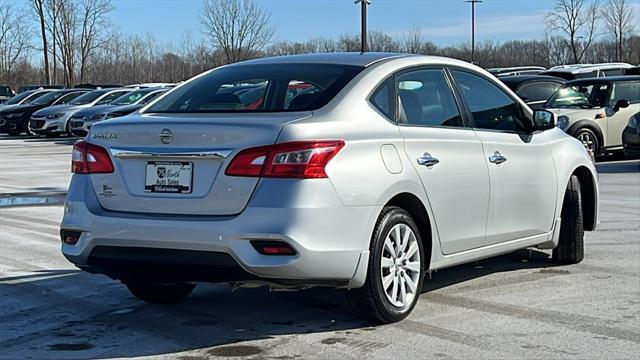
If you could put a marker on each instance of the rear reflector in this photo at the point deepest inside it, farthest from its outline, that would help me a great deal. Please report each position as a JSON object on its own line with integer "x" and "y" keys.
{"x": 70, "y": 237}
{"x": 299, "y": 159}
{"x": 266, "y": 247}
{"x": 88, "y": 158}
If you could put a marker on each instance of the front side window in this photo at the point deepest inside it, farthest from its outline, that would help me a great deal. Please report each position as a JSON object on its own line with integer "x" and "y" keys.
{"x": 259, "y": 88}
{"x": 490, "y": 106}
{"x": 628, "y": 90}
{"x": 382, "y": 99}
{"x": 425, "y": 99}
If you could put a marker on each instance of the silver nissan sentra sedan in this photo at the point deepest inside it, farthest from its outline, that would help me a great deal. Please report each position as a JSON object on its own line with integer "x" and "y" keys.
{"x": 355, "y": 171}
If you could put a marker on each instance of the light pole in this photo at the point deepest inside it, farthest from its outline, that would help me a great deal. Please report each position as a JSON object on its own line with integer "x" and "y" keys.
{"x": 363, "y": 20}
{"x": 473, "y": 26}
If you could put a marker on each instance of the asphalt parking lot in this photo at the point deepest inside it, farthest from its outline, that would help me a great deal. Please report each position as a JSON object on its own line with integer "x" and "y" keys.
{"x": 514, "y": 306}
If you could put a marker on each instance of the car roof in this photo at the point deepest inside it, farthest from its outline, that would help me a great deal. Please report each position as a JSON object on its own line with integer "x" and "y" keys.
{"x": 519, "y": 79}
{"x": 582, "y": 68}
{"x": 339, "y": 58}
{"x": 605, "y": 80}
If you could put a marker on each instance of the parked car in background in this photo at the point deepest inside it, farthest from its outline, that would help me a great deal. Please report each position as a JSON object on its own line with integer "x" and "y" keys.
{"x": 81, "y": 121}
{"x": 151, "y": 85}
{"x": 631, "y": 136}
{"x": 583, "y": 71}
{"x": 517, "y": 70}
{"x": 535, "y": 90}
{"x": 348, "y": 186}
{"x": 16, "y": 117}
{"x": 119, "y": 111}
{"x": 97, "y": 86}
{"x": 24, "y": 97}
{"x": 597, "y": 110}
{"x": 55, "y": 120}
{"x": 6, "y": 93}
{"x": 24, "y": 88}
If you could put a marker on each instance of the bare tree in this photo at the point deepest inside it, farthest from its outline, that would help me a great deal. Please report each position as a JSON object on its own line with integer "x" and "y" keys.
{"x": 53, "y": 8}
{"x": 618, "y": 21}
{"x": 239, "y": 28}
{"x": 38, "y": 6}
{"x": 14, "y": 39}
{"x": 93, "y": 22}
{"x": 575, "y": 21}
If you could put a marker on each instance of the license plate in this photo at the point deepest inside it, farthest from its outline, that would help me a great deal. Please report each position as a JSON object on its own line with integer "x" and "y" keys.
{"x": 168, "y": 177}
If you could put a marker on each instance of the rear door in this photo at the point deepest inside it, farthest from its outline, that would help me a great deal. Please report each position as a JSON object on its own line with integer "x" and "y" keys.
{"x": 447, "y": 156}
{"x": 521, "y": 168}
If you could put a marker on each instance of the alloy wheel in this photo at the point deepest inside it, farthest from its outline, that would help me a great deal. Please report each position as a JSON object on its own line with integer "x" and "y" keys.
{"x": 400, "y": 266}
{"x": 588, "y": 140}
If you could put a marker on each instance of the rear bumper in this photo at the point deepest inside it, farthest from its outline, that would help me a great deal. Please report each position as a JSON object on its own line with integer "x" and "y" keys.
{"x": 331, "y": 241}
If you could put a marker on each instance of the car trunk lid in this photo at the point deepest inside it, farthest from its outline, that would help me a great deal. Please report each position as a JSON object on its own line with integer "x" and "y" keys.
{"x": 174, "y": 163}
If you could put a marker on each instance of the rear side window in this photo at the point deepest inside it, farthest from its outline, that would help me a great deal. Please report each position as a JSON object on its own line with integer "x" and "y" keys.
{"x": 259, "y": 88}
{"x": 382, "y": 99}
{"x": 490, "y": 106}
{"x": 425, "y": 99}
{"x": 627, "y": 90}
{"x": 538, "y": 91}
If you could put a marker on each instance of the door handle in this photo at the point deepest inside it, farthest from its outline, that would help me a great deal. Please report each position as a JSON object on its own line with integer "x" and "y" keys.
{"x": 427, "y": 160}
{"x": 497, "y": 158}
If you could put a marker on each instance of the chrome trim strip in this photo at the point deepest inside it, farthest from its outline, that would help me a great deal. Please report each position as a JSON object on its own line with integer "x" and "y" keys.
{"x": 212, "y": 154}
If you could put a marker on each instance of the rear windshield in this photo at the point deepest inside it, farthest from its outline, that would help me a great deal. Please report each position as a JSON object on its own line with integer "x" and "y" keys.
{"x": 259, "y": 88}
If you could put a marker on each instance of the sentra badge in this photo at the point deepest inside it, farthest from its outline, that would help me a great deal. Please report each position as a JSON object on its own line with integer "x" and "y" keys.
{"x": 105, "y": 136}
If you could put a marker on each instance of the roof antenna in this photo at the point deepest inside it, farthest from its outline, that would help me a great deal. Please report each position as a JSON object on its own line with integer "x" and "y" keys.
{"x": 363, "y": 21}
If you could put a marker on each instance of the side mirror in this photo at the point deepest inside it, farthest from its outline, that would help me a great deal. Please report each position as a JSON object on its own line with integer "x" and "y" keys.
{"x": 544, "y": 120}
{"x": 621, "y": 104}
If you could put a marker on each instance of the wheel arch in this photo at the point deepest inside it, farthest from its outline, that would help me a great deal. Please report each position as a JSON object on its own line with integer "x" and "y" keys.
{"x": 414, "y": 206}
{"x": 589, "y": 198}
{"x": 575, "y": 127}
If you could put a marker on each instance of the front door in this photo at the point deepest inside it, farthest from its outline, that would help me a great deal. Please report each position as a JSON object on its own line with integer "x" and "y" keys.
{"x": 618, "y": 120}
{"x": 521, "y": 167}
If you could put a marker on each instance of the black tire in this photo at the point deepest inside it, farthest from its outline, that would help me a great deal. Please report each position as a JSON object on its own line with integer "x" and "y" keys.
{"x": 370, "y": 301}
{"x": 570, "y": 249}
{"x": 155, "y": 293}
{"x": 593, "y": 143}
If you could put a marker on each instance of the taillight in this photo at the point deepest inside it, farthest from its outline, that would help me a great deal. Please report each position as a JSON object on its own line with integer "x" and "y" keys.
{"x": 88, "y": 158}
{"x": 299, "y": 159}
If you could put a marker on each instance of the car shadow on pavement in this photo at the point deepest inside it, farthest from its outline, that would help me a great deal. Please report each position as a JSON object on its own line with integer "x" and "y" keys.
{"x": 72, "y": 314}
{"x": 518, "y": 260}
{"x": 619, "y": 167}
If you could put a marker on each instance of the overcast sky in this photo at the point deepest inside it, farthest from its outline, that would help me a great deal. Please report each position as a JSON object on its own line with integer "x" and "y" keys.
{"x": 443, "y": 21}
